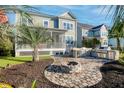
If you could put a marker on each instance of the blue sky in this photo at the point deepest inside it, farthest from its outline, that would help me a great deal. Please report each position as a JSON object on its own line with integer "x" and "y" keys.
{"x": 89, "y": 14}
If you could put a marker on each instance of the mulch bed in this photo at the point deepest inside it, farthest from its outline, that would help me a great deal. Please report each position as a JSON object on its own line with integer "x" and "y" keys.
{"x": 113, "y": 76}
{"x": 22, "y": 75}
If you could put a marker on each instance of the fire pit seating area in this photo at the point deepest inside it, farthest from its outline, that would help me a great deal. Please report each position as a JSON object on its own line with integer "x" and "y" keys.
{"x": 74, "y": 72}
{"x": 81, "y": 70}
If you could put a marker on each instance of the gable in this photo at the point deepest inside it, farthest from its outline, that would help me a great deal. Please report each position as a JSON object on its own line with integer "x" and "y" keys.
{"x": 103, "y": 28}
{"x": 67, "y": 15}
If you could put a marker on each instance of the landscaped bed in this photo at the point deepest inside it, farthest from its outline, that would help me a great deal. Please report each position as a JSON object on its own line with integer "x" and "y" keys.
{"x": 22, "y": 75}
{"x": 113, "y": 76}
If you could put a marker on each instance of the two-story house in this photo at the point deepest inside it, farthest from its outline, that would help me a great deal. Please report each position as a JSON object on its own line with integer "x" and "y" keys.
{"x": 99, "y": 32}
{"x": 62, "y": 28}
{"x": 85, "y": 28}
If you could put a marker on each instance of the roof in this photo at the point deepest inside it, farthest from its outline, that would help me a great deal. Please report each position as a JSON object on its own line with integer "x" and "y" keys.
{"x": 85, "y": 26}
{"x": 97, "y": 27}
{"x": 51, "y": 16}
{"x": 41, "y": 14}
{"x": 68, "y": 12}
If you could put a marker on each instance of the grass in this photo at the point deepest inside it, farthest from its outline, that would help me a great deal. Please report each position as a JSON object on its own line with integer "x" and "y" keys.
{"x": 121, "y": 58}
{"x": 18, "y": 60}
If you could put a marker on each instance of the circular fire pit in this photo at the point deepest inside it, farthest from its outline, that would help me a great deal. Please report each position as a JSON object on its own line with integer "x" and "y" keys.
{"x": 74, "y": 73}
{"x": 74, "y": 66}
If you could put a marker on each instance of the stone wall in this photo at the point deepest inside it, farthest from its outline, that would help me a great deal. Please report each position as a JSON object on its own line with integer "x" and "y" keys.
{"x": 108, "y": 54}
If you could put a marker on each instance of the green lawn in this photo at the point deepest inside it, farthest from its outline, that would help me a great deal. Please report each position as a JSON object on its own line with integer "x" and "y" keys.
{"x": 18, "y": 60}
{"x": 121, "y": 59}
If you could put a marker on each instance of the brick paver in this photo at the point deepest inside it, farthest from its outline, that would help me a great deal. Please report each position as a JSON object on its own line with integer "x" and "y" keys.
{"x": 88, "y": 76}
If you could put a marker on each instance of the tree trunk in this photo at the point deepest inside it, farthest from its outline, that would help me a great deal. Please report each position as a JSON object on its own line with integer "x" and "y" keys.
{"x": 118, "y": 44}
{"x": 35, "y": 54}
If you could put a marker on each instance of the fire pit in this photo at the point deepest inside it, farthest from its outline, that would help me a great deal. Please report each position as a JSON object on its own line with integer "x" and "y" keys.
{"x": 74, "y": 67}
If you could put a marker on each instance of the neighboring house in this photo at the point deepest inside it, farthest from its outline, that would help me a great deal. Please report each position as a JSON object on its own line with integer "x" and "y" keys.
{"x": 99, "y": 32}
{"x": 85, "y": 29}
{"x": 62, "y": 28}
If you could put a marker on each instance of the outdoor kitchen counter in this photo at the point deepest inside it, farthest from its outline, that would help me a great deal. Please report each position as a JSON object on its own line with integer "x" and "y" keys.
{"x": 108, "y": 54}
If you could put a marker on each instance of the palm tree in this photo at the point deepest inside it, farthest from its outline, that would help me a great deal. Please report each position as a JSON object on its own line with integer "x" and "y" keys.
{"x": 33, "y": 36}
{"x": 117, "y": 31}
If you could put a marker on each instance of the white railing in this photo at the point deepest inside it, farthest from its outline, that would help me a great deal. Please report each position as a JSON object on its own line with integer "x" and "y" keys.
{"x": 44, "y": 45}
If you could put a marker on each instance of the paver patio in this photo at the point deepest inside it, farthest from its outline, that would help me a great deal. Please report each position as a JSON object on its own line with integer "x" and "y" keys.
{"x": 89, "y": 75}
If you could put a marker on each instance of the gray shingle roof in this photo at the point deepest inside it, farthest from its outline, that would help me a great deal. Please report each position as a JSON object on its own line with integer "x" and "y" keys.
{"x": 85, "y": 26}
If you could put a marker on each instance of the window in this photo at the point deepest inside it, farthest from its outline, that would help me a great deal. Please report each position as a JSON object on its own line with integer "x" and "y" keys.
{"x": 69, "y": 39}
{"x": 67, "y": 26}
{"x": 105, "y": 42}
{"x": 97, "y": 33}
{"x": 104, "y": 33}
{"x": 46, "y": 23}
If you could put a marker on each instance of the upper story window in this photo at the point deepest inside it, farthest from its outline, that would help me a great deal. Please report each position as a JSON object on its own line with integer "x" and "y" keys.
{"x": 67, "y": 26}
{"x": 46, "y": 23}
{"x": 104, "y": 33}
{"x": 97, "y": 33}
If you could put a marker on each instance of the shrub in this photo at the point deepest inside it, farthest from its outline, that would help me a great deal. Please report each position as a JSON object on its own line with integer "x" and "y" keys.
{"x": 5, "y": 47}
{"x": 91, "y": 42}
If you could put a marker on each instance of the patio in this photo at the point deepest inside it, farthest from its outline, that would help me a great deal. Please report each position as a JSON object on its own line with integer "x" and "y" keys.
{"x": 88, "y": 76}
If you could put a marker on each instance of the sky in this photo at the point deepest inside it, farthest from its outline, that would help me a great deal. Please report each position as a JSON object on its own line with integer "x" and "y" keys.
{"x": 88, "y": 14}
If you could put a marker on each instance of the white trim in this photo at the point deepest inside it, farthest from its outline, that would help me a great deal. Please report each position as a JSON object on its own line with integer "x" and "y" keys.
{"x": 69, "y": 13}
{"x": 45, "y": 49}
{"x": 69, "y": 23}
{"x": 47, "y": 21}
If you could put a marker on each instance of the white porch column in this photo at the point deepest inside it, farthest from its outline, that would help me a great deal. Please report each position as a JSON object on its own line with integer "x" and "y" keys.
{"x": 51, "y": 33}
{"x": 51, "y": 37}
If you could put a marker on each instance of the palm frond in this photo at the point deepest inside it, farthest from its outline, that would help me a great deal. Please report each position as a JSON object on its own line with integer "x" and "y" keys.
{"x": 33, "y": 35}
